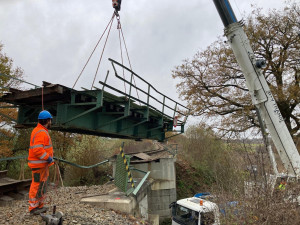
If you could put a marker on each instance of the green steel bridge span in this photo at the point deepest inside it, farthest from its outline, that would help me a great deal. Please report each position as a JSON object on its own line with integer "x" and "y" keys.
{"x": 99, "y": 112}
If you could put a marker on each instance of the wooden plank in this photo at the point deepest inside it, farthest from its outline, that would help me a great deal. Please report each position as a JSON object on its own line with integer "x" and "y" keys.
{"x": 24, "y": 96}
{"x": 8, "y": 184}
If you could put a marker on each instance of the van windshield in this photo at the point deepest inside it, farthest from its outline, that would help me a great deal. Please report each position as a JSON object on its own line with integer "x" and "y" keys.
{"x": 183, "y": 215}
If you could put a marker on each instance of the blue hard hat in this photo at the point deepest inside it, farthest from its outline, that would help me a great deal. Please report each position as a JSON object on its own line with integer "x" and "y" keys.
{"x": 44, "y": 115}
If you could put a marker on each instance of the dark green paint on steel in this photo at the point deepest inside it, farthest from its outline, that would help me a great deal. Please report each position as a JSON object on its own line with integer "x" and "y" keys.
{"x": 98, "y": 112}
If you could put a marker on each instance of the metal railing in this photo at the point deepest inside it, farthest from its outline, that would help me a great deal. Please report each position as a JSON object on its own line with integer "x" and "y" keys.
{"x": 183, "y": 113}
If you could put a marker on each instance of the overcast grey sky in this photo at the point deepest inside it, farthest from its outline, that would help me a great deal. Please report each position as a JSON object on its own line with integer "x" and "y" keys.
{"x": 51, "y": 40}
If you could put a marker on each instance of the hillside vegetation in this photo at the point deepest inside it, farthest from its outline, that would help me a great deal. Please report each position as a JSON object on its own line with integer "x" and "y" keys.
{"x": 206, "y": 163}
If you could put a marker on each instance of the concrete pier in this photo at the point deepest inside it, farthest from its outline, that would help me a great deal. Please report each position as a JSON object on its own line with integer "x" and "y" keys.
{"x": 154, "y": 197}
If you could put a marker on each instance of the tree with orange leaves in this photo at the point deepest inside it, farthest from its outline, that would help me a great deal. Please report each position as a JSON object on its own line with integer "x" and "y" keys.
{"x": 7, "y": 73}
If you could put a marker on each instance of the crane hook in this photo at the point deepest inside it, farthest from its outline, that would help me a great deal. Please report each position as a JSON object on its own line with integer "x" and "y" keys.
{"x": 116, "y": 4}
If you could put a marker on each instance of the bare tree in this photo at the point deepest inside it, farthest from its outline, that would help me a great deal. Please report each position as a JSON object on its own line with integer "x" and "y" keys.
{"x": 214, "y": 86}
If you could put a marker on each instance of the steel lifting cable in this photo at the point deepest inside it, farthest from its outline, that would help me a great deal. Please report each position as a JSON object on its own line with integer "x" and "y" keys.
{"x": 110, "y": 22}
{"x": 102, "y": 51}
{"x": 128, "y": 58}
{"x": 119, "y": 28}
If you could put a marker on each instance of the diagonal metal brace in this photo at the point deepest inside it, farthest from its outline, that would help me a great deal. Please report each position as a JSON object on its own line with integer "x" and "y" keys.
{"x": 99, "y": 104}
{"x": 141, "y": 183}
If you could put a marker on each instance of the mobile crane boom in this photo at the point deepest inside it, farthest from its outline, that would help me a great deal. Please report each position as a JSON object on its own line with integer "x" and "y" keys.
{"x": 259, "y": 90}
{"x": 189, "y": 211}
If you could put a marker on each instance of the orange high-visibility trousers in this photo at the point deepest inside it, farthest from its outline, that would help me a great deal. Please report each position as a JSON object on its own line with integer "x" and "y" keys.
{"x": 38, "y": 187}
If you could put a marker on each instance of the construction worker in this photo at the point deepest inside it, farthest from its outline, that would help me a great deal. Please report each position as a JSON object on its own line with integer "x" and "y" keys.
{"x": 40, "y": 158}
{"x": 282, "y": 184}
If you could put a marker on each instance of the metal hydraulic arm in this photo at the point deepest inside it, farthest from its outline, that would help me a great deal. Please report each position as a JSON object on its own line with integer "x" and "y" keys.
{"x": 259, "y": 90}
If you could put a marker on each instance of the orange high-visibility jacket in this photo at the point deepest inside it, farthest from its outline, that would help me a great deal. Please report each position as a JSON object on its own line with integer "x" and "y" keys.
{"x": 40, "y": 147}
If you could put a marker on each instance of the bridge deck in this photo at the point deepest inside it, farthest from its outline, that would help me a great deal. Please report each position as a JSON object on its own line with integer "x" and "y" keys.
{"x": 97, "y": 112}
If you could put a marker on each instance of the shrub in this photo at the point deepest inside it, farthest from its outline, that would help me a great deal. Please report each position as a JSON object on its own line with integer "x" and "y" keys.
{"x": 89, "y": 150}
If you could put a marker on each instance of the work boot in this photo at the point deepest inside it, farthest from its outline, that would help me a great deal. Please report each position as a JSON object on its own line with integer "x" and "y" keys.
{"x": 37, "y": 211}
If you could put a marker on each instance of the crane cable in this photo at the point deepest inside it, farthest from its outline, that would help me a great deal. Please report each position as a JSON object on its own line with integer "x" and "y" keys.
{"x": 120, "y": 29}
{"x": 110, "y": 22}
{"x": 103, "y": 50}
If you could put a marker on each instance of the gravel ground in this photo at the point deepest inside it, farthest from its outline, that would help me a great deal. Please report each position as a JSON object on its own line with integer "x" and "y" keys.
{"x": 67, "y": 200}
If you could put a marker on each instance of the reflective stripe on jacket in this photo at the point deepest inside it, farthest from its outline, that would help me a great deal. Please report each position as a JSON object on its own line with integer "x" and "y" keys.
{"x": 40, "y": 147}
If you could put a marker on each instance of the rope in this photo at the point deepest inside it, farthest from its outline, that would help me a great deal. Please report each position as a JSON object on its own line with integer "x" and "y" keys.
{"x": 21, "y": 176}
{"x": 44, "y": 195}
{"x": 93, "y": 50}
{"x": 57, "y": 175}
{"x": 61, "y": 180}
{"x": 54, "y": 176}
{"x": 42, "y": 98}
{"x": 102, "y": 51}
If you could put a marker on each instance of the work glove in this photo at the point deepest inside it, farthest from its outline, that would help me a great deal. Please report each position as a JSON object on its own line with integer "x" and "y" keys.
{"x": 50, "y": 159}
